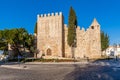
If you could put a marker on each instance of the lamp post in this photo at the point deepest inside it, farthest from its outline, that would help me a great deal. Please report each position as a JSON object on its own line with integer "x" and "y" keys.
{"x": 18, "y": 59}
{"x": 115, "y": 51}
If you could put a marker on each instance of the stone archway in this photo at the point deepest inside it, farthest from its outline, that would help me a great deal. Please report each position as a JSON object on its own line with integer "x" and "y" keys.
{"x": 49, "y": 52}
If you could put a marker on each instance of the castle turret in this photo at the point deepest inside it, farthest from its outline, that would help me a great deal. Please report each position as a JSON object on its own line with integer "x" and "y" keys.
{"x": 50, "y": 35}
{"x": 95, "y": 40}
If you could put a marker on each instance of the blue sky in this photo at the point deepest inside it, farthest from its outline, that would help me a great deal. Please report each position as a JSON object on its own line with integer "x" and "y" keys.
{"x": 23, "y": 13}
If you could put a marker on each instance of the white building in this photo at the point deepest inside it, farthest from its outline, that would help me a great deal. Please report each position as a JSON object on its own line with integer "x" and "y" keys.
{"x": 112, "y": 51}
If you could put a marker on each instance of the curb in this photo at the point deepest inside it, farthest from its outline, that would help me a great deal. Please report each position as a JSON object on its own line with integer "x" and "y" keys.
{"x": 57, "y": 63}
{"x": 14, "y": 67}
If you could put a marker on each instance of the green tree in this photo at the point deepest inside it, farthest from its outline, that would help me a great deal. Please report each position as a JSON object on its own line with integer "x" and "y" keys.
{"x": 16, "y": 38}
{"x": 2, "y": 42}
{"x": 19, "y": 39}
{"x": 104, "y": 41}
{"x": 35, "y": 29}
{"x": 30, "y": 43}
{"x": 72, "y": 24}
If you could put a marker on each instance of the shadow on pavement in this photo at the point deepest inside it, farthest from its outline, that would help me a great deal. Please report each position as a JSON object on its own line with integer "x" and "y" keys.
{"x": 107, "y": 62}
{"x": 93, "y": 72}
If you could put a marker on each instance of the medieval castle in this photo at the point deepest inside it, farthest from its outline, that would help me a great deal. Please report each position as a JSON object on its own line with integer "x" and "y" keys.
{"x": 52, "y": 38}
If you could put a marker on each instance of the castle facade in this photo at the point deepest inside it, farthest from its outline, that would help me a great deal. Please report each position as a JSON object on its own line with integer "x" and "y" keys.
{"x": 52, "y": 38}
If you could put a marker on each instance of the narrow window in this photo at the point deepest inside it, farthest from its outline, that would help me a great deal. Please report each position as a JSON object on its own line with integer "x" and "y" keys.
{"x": 92, "y": 27}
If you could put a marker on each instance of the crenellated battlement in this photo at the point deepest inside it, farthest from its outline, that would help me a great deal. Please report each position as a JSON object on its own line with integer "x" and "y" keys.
{"x": 50, "y": 14}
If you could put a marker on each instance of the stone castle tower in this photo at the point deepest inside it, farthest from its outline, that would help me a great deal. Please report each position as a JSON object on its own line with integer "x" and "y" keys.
{"x": 52, "y": 38}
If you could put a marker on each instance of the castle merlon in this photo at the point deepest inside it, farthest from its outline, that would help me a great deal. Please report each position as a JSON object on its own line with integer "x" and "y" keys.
{"x": 83, "y": 29}
{"x": 65, "y": 25}
{"x": 78, "y": 27}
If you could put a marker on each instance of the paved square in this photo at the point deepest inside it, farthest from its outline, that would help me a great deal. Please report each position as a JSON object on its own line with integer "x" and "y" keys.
{"x": 60, "y": 72}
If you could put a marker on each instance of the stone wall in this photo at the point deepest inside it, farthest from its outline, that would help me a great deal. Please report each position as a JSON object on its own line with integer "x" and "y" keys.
{"x": 88, "y": 42}
{"x": 67, "y": 47}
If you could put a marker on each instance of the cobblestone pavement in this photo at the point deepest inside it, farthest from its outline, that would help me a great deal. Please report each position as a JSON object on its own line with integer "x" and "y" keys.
{"x": 61, "y": 72}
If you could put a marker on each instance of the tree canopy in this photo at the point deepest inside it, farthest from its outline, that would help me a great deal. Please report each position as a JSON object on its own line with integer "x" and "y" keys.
{"x": 16, "y": 37}
{"x": 72, "y": 24}
{"x": 35, "y": 29}
{"x": 104, "y": 41}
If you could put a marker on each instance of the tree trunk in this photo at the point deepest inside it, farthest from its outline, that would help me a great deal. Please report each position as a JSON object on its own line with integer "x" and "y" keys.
{"x": 72, "y": 52}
